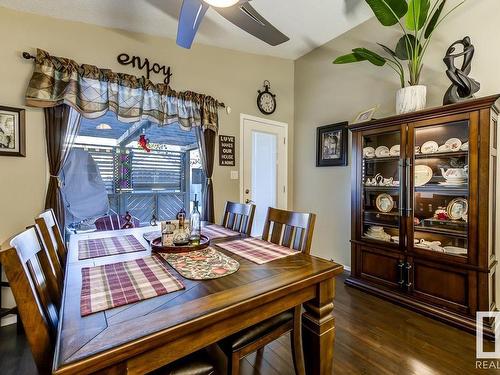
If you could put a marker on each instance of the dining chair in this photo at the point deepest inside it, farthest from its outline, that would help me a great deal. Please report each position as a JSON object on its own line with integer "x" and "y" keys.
{"x": 51, "y": 235}
{"x": 289, "y": 229}
{"x": 35, "y": 289}
{"x": 116, "y": 222}
{"x": 239, "y": 217}
{"x": 293, "y": 230}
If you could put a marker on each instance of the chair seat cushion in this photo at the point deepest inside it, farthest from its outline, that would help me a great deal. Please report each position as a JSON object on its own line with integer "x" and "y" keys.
{"x": 194, "y": 364}
{"x": 251, "y": 334}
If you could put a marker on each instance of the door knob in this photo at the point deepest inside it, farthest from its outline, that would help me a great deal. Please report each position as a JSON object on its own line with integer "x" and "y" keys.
{"x": 249, "y": 201}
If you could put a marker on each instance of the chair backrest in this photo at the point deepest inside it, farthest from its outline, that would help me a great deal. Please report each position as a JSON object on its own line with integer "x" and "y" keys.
{"x": 116, "y": 222}
{"x": 289, "y": 229}
{"x": 51, "y": 235}
{"x": 239, "y": 217}
{"x": 34, "y": 287}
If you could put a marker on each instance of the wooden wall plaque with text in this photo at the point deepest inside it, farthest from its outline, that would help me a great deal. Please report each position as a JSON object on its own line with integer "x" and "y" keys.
{"x": 226, "y": 150}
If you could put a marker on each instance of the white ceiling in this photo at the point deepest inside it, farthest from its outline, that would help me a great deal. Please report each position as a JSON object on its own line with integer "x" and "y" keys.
{"x": 308, "y": 23}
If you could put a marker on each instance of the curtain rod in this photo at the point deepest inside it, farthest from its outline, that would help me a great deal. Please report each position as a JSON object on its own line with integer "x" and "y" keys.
{"x": 29, "y": 56}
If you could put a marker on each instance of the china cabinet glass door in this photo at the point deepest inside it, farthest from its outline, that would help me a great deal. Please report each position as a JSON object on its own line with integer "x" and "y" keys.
{"x": 382, "y": 173}
{"x": 440, "y": 189}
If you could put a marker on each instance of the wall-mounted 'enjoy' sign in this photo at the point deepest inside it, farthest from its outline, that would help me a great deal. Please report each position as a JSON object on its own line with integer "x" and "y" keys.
{"x": 144, "y": 64}
{"x": 226, "y": 150}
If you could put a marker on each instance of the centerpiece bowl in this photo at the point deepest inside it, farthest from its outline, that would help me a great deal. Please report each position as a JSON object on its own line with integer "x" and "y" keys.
{"x": 157, "y": 246}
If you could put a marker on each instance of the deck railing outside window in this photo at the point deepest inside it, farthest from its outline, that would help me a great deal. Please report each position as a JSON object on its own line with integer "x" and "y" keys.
{"x": 146, "y": 184}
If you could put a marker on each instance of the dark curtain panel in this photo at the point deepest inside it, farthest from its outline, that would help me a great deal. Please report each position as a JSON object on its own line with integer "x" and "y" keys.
{"x": 206, "y": 144}
{"x": 61, "y": 128}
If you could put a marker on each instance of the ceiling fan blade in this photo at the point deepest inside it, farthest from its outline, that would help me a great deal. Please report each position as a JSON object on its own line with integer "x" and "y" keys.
{"x": 247, "y": 18}
{"x": 190, "y": 17}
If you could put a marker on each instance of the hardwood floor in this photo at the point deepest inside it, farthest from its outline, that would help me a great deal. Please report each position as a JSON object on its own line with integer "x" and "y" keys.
{"x": 373, "y": 337}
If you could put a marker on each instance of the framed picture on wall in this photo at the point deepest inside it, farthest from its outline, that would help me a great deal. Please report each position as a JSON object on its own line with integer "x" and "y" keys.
{"x": 331, "y": 145}
{"x": 12, "y": 132}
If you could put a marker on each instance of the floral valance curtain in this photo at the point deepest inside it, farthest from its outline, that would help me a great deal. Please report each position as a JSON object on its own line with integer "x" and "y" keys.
{"x": 93, "y": 91}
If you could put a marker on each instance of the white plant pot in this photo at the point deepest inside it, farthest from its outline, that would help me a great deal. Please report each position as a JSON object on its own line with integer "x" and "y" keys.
{"x": 411, "y": 99}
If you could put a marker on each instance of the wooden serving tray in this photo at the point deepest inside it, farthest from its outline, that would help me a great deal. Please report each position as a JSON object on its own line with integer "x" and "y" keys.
{"x": 159, "y": 248}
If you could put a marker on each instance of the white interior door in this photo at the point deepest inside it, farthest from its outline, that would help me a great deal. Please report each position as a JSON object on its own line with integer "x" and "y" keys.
{"x": 263, "y": 166}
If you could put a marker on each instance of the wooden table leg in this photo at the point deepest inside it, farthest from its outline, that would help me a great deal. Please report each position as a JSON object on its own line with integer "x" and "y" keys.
{"x": 318, "y": 330}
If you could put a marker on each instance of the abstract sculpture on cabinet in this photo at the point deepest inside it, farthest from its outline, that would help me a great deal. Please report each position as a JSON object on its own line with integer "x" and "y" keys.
{"x": 463, "y": 87}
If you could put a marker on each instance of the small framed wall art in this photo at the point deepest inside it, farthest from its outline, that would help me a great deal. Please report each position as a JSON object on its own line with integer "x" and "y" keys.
{"x": 12, "y": 131}
{"x": 331, "y": 145}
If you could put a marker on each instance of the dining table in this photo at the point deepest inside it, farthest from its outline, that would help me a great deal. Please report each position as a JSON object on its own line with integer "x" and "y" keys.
{"x": 143, "y": 336}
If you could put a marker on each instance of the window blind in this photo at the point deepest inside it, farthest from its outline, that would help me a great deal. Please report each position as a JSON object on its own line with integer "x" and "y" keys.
{"x": 157, "y": 170}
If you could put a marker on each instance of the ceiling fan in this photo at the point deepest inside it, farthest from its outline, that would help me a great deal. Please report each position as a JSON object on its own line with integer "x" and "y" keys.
{"x": 239, "y": 12}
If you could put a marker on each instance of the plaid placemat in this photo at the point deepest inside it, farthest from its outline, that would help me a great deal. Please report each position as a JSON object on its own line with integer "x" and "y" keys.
{"x": 257, "y": 251}
{"x": 101, "y": 247}
{"x": 118, "y": 284}
{"x": 214, "y": 231}
{"x": 202, "y": 264}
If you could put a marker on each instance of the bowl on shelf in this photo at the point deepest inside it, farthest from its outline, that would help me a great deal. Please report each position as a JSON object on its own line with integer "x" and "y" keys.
{"x": 377, "y": 233}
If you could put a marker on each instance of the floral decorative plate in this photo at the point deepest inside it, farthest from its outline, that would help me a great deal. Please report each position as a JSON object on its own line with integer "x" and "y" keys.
{"x": 429, "y": 147}
{"x": 457, "y": 209}
{"x": 369, "y": 152}
{"x": 423, "y": 174}
{"x": 384, "y": 203}
{"x": 395, "y": 150}
{"x": 454, "y": 143}
{"x": 381, "y": 151}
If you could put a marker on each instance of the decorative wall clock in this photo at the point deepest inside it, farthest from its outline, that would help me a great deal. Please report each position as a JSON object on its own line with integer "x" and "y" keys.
{"x": 266, "y": 100}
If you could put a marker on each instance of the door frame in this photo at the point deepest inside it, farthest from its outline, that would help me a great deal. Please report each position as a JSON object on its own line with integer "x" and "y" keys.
{"x": 265, "y": 121}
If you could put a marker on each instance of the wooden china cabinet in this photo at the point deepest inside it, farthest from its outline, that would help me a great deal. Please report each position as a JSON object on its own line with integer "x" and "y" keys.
{"x": 424, "y": 202}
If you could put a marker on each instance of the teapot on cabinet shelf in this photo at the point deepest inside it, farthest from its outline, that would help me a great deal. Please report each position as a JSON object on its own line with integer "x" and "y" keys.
{"x": 455, "y": 173}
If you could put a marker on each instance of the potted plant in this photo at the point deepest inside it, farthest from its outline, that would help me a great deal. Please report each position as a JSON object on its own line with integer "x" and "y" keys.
{"x": 422, "y": 17}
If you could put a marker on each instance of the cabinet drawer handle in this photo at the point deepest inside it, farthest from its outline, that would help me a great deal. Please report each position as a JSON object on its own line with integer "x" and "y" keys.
{"x": 401, "y": 281}
{"x": 408, "y": 283}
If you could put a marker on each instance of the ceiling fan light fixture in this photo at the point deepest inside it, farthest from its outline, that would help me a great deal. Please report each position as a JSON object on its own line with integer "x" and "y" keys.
{"x": 103, "y": 126}
{"x": 221, "y": 3}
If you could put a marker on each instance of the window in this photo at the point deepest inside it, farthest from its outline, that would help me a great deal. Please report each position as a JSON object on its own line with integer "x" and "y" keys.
{"x": 159, "y": 182}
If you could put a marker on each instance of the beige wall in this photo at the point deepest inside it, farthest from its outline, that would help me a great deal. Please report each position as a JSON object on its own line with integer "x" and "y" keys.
{"x": 232, "y": 77}
{"x": 326, "y": 94}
